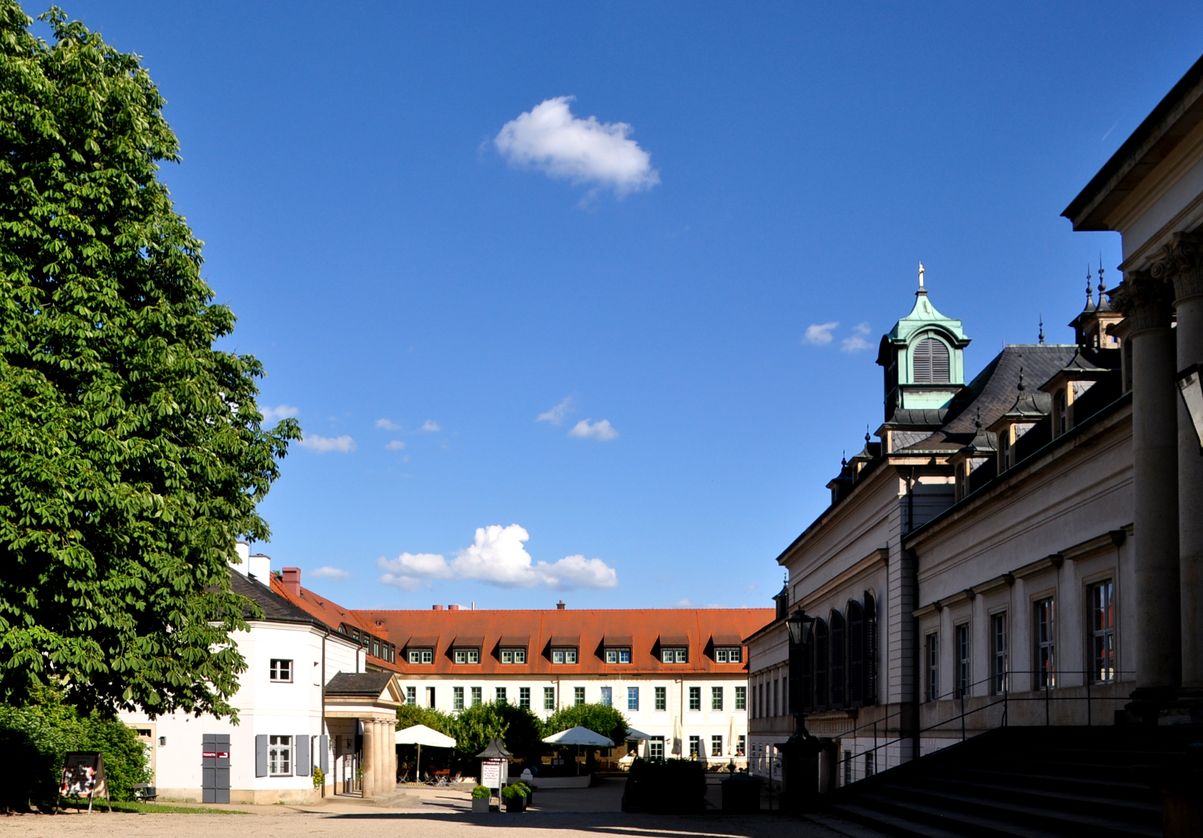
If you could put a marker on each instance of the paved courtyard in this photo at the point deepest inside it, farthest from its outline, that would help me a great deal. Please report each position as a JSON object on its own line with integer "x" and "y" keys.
{"x": 423, "y": 812}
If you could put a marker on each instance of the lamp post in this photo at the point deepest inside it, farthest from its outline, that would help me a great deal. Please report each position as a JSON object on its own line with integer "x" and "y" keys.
{"x": 800, "y": 773}
{"x": 1190, "y": 387}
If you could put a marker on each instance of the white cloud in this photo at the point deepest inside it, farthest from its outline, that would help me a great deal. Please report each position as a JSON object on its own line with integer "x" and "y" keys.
{"x": 497, "y": 556}
{"x": 430, "y": 427}
{"x": 550, "y": 139}
{"x": 395, "y": 445}
{"x": 858, "y": 340}
{"x": 276, "y": 413}
{"x": 385, "y": 424}
{"x": 819, "y": 334}
{"x": 601, "y": 430}
{"x": 555, "y": 415}
{"x": 327, "y": 444}
{"x": 328, "y": 572}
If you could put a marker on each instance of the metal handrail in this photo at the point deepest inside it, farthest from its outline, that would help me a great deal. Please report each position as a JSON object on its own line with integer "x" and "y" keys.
{"x": 1002, "y": 698}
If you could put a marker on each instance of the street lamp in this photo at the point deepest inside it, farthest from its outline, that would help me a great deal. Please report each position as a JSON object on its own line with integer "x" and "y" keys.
{"x": 801, "y": 749}
{"x": 796, "y": 624}
{"x": 1191, "y": 389}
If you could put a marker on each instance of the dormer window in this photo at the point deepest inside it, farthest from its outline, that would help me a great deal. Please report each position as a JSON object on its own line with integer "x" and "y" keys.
{"x": 728, "y": 654}
{"x": 563, "y": 654}
{"x": 618, "y": 654}
{"x": 514, "y": 655}
{"x": 420, "y": 655}
{"x": 466, "y": 655}
{"x": 674, "y": 654}
{"x": 931, "y": 362}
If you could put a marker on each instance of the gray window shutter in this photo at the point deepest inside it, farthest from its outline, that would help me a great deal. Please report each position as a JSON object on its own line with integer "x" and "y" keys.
{"x": 261, "y": 755}
{"x": 323, "y": 758}
{"x": 302, "y": 756}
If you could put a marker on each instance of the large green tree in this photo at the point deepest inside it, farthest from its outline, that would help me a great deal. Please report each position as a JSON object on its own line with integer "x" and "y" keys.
{"x": 132, "y": 453}
{"x": 599, "y": 718}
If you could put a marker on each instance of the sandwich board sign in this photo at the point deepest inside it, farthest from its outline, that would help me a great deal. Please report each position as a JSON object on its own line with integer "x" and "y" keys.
{"x": 83, "y": 776}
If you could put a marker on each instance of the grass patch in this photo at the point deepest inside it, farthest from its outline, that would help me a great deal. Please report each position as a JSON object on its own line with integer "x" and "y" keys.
{"x": 138, "y": 807}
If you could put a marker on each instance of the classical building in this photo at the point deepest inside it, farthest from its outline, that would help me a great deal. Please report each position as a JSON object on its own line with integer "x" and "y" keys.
{"x": 307, "y": 700}
{"x": 1024, "y": 547}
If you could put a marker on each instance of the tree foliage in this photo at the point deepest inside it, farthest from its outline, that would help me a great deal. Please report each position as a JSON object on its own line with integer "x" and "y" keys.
{"x": 598, "y": 718}
{"x": 409, "y": 715}
{"x": 132, "y": 453}
{"x": 519, "y": 728}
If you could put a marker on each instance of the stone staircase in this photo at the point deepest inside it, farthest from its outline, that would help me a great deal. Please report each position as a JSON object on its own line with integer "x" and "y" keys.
{"x": 1100, "y": 781}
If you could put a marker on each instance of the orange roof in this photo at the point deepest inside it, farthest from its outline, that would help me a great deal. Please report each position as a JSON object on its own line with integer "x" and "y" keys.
{"x": 644, "y": 631}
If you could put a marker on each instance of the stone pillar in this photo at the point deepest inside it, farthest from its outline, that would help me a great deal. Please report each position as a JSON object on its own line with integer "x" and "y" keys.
{"x": 1145, "y": 301}
{"x": 1183, "y": 264}
{"x": 369, "y": 757}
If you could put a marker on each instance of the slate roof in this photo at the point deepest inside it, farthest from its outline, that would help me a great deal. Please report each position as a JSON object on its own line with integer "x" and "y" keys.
{"x": 323, "y": 610}
{"x": 362, "y": 684}
{"x": 994, "y": 392}
{"x": 700, "y": 629}
{"x": 275, "y": 608}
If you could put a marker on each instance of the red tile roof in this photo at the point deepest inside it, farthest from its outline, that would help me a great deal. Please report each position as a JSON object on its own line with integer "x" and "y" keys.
{"x": 643, "y": 630}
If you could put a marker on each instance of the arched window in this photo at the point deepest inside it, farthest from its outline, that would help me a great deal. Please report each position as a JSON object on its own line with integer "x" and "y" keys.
{"x": 931, "y": 362}
{"x": 822, "y": 661}
{"x": 839, "y": 656}
{"x": 870, "y": 649}
{"x": 856, "y": 653}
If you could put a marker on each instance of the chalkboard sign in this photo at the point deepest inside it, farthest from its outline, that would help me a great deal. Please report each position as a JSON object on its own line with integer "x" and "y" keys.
{"x": 83, "y": 776}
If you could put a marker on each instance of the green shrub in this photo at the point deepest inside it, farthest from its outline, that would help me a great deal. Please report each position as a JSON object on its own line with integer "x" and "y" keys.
{"x": 481, "y": 793}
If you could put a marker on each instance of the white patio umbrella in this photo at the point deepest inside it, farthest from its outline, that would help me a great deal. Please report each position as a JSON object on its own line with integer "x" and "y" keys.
{"x": 422, "y": 735}
{"x": 579, "y": 736}
{"x": 634, "y": 735}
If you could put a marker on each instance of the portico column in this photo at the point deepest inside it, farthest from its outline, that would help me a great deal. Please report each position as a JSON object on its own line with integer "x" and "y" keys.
{"x": 369, "y": 757}
{"x": 1184, "y": 264}
{"x": 1146, "y": 303}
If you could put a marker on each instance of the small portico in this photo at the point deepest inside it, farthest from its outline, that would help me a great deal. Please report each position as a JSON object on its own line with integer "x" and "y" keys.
{"x": 361, "y": 715}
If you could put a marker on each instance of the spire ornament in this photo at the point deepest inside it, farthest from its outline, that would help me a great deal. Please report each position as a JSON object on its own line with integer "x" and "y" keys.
{"x": 921, "y": 270}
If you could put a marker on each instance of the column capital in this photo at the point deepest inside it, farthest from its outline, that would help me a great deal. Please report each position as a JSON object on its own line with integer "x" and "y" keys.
{"x": 1145, "y": 300}
{"x": 1181, "y": 263}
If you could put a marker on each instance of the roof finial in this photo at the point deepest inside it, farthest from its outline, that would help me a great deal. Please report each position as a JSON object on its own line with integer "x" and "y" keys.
{"x": 1040, "y": 336}
{"x": 1020, "y": 386}
{"x": 1102, "y": 285}
{"x": 921, "y": 275}
{"x": 1089, "y": 290}
{"x": 844, "y": 459}
{"x": 866, "y": 434}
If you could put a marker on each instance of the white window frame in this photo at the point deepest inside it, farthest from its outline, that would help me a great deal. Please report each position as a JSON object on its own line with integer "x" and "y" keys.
{"x": 661, "y": 699}
{"x": 515, "y": 655}
{"x": 564, "y": 655}
{"x": 728, "y": 654}
{"x": 999, "y": 651}
{"x": 466, "y": 654}
{"x": 695, "y": 698}
{"x": 632, "y": 698}
{"x": 279, "y": 756}
{"x": 420, "y": 655}
{"x": 607, "y": 697}
{"x": 618, "y": 654}
{"x": 716, "y": 698}
{"x": 741, "y": 697}
{"x": 716, "y": 745}
{"x": 280, "y": 670}
{"x": 478, "y": 697}
{"x": 524, "y": 697}
{"x": 457, "y": 698}
{"x": 549, "y": 698}
{"x": 578, "y": 696}
{"x": 674, "y": 654}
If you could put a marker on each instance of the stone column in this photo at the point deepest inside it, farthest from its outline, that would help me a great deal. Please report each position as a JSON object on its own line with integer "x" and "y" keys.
{"x": 1183, "y": 263}
{"x": 1145, "y": 301}
{"x": 369, "y": 757}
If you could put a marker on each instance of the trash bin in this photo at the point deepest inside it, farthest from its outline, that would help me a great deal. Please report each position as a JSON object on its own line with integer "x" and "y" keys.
{"x": 741, "y": 793}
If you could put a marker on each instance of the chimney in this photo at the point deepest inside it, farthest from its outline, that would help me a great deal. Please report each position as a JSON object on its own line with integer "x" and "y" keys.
{"x": 291, "y": 577}
{"x": 243, "y": 551}
{"x": 452, "y": 607}
{"x": 436, "y": 607}
{"x": 260, "y": 567}
{"x": 560, "y": 605}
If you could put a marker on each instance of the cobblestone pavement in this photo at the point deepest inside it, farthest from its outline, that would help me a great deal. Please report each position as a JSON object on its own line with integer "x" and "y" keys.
{"x": 418, "y": 811}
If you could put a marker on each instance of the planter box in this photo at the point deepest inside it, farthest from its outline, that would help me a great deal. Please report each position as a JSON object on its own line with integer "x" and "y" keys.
{"x": 480, "y": 804}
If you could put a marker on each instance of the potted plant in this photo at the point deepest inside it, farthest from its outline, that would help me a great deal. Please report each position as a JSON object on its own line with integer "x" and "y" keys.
{"x": 514, "y": 797}
{"x": 481, "y": 795}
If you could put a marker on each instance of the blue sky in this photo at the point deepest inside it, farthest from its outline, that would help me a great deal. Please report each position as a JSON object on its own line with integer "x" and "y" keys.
{"x": 537, "y": 279}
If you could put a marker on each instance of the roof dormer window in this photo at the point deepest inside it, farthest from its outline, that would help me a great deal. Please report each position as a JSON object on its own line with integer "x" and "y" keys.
{"x": 466, "y": 655}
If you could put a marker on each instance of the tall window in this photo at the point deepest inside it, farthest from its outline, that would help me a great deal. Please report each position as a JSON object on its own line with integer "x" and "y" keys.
{"x": 607, "y": 696}
{"x": 578, "y": 695}
{"x": 931, "y": 362}
{"x": 1044, "y": 637}
{"x": 716, "y": 698}
{"x": 695, "y": 747}
{"x": 963, "y": 660}
{"x": 998, "y": 653}
{"x": 279, "y": 756}
{"x": 549, "y": 698}
{"x": 1102, "y": 631}
{"x": 838, "y": 652}
{"x": 695, "y": 698}
{"x": 430, "y": 696}
{"x": 655, "y": 748}
{"x": 931, "y": 645}
{"x": 741, "y": 698}
{"x": 501, "y": 695}
{"x": 457, "y": 698}
{"x": 632, "y": 698}
{"x": 741, "y": 747}
{"x": 870, "y": 649}
{"x": 661, "y": 698}
{"x": 411, "y": 695}
{"x": 822, "y": 662}
{"x": 856, "y": 653}
{"x": 477, "y": 696}
{"x": 281, "y": 669}
{"x": 524, "y": 697}
{"x": 716, "y": 745}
